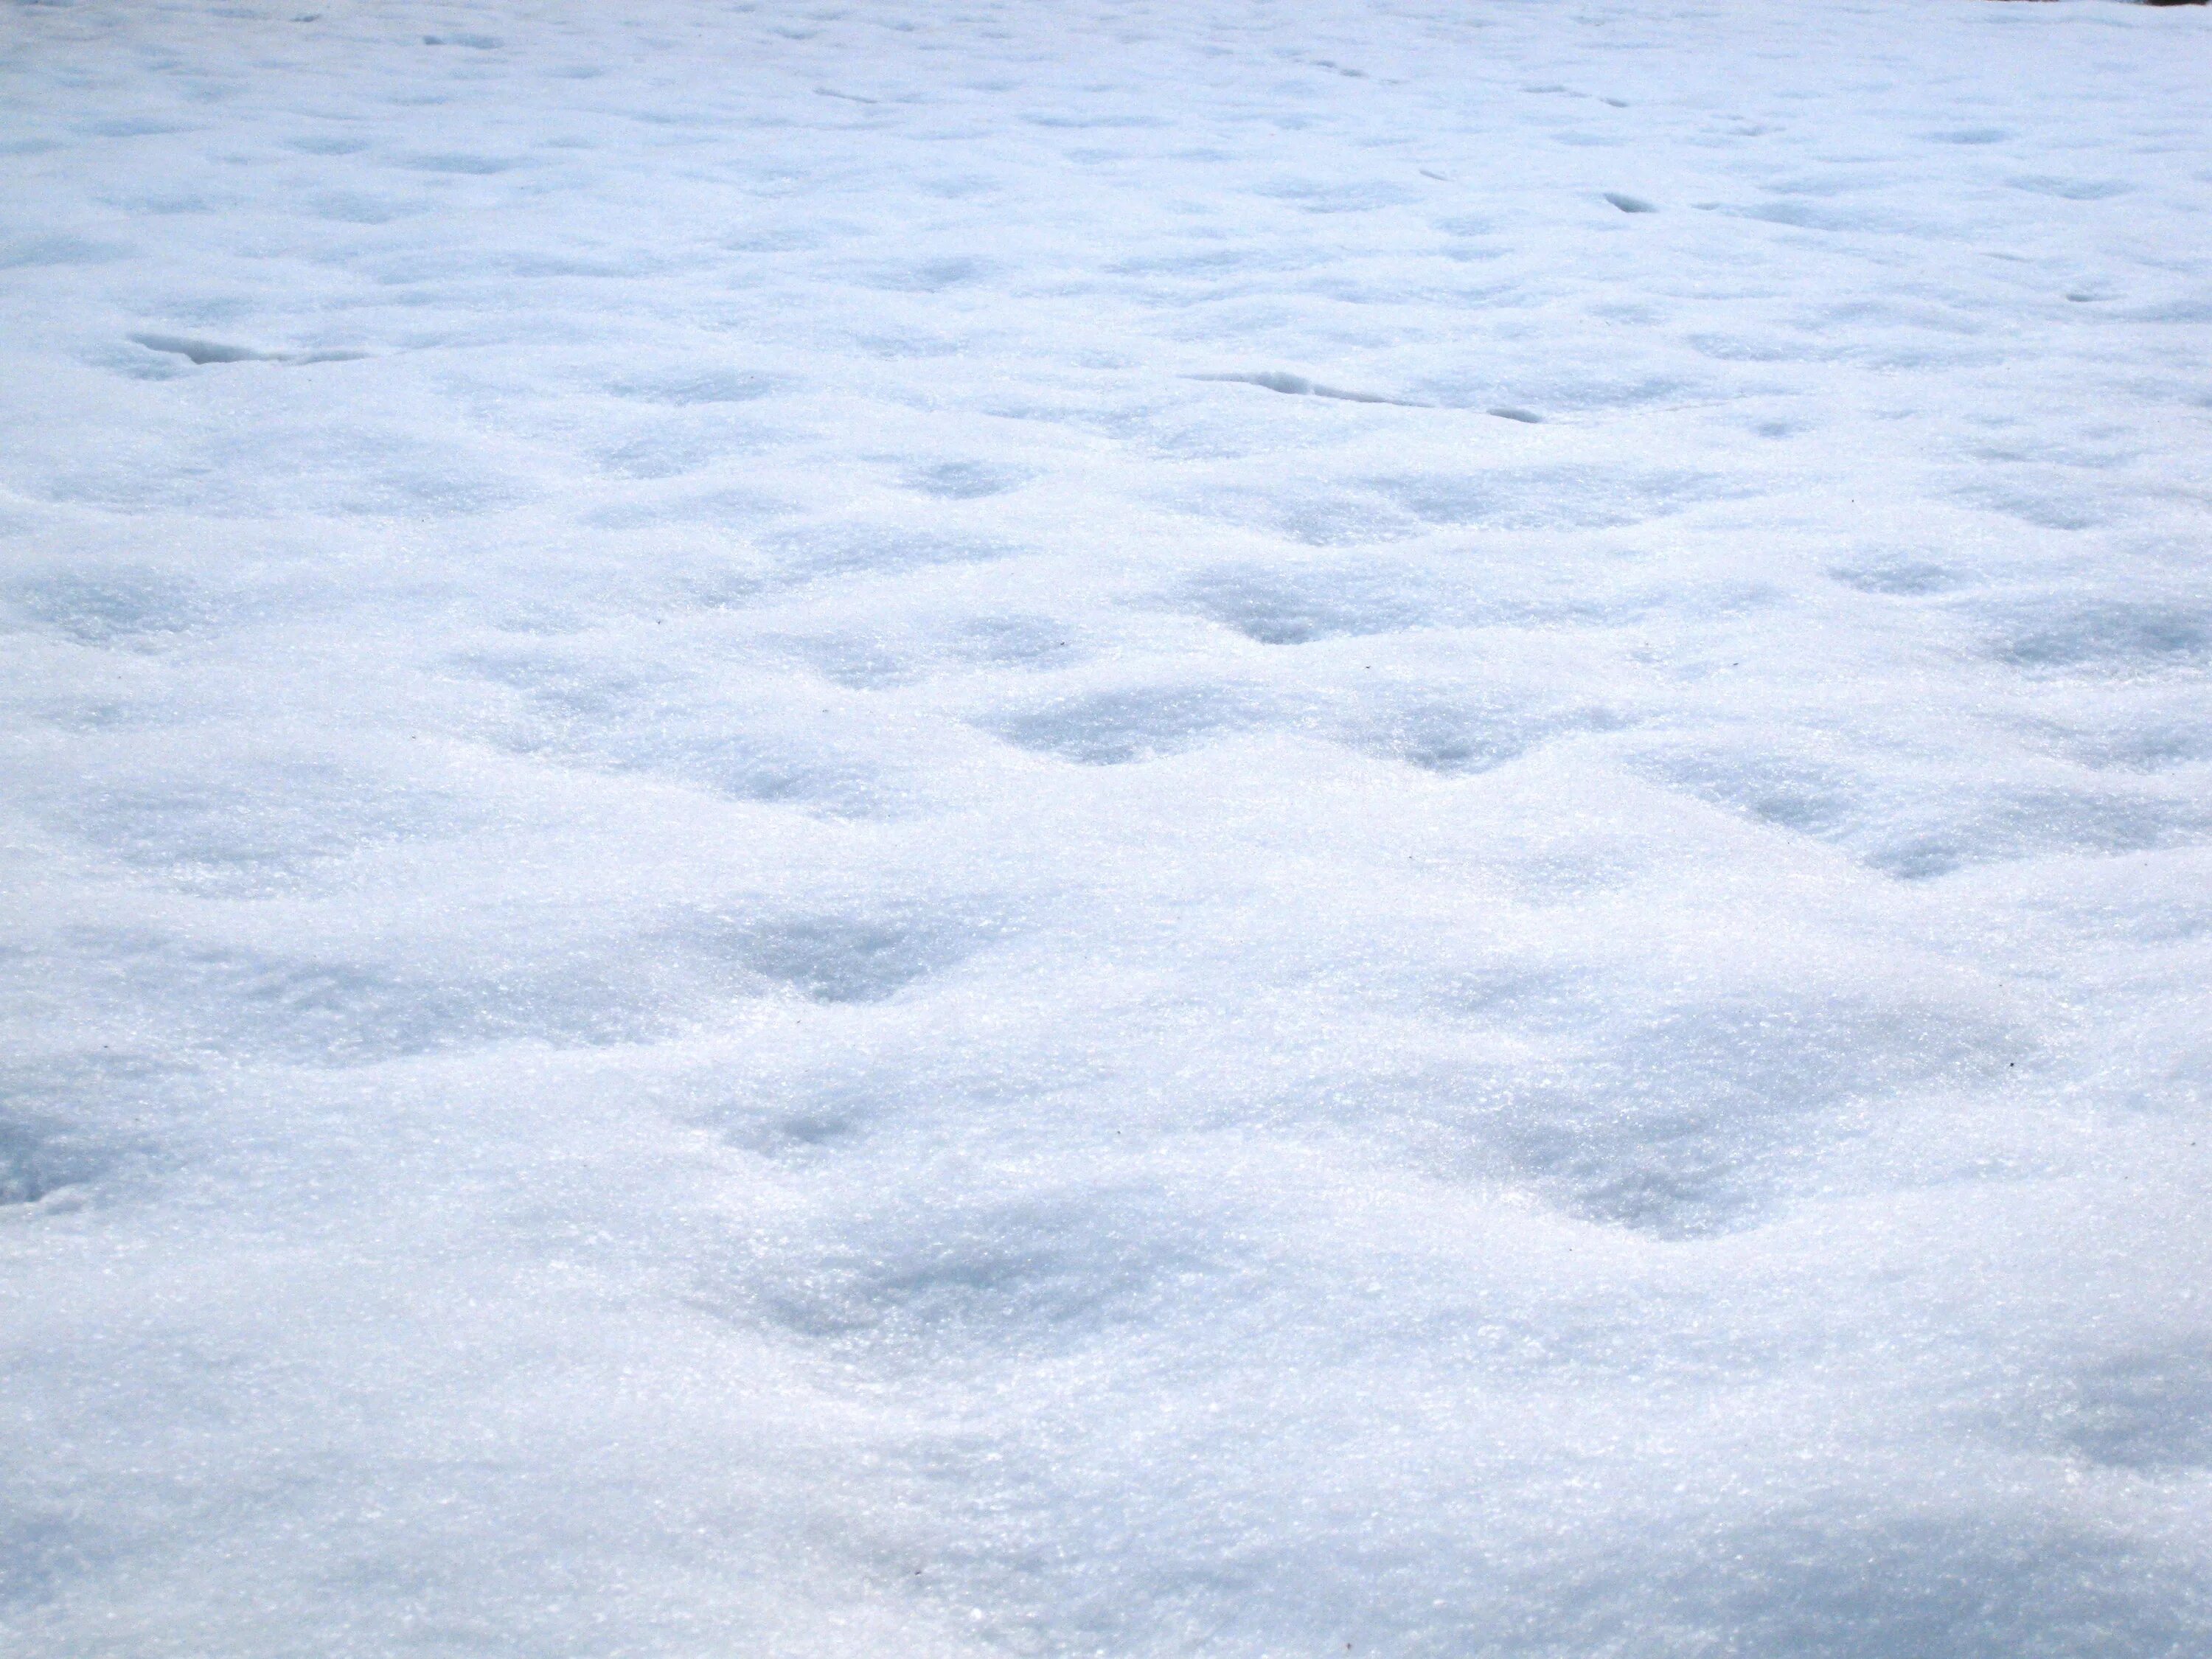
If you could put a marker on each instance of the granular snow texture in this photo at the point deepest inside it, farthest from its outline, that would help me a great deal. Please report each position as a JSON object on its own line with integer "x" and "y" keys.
{"x": 1198, "y": 828}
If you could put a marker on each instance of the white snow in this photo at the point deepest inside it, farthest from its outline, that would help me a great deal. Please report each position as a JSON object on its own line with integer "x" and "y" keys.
{"x": 884, "y": 828}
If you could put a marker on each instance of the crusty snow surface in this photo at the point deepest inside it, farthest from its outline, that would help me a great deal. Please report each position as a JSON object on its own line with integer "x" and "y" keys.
{"x": 1208, "y": 828}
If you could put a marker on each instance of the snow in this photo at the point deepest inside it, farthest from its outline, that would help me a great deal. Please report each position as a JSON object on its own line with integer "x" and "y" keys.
{"x": 1255, "y": 829}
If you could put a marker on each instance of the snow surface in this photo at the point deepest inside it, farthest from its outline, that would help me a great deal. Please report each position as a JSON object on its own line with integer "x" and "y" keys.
{"x": 1219, "y": 828}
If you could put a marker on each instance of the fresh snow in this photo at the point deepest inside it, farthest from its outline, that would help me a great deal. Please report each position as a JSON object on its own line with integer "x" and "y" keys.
{"x": 1208, "y": 828}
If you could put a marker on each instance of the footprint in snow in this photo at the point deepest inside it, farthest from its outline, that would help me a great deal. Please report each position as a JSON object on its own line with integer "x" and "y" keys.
{"x": 1629, "y": 204}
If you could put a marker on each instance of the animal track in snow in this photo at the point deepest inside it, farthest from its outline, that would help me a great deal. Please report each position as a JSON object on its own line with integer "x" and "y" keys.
{"x": 1298, "y": 385}
{"x": 1629, "y": 204}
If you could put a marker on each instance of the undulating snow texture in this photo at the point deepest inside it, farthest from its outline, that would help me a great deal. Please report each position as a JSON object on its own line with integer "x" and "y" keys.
{"x": 1208, "y": 828}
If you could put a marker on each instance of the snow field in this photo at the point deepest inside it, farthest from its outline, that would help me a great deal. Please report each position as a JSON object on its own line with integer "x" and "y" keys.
{"x": 1066, "y": 829}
